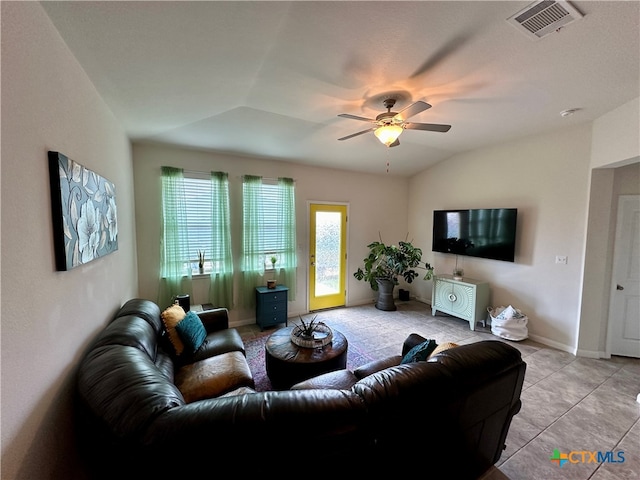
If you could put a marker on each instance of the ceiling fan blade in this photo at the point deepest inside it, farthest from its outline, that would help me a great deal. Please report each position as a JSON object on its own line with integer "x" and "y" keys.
{"x": 356, "y": 134}
{"x": 440, "y": 55}
{"x": 411, "y": 110}
{"x": 431, "y": 127}
{"x": 355, "y": 117}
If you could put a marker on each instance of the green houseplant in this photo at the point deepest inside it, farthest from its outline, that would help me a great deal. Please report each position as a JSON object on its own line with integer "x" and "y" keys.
{"x": 306, "y": 329}
{"x": 272, "y": 283}
{"x": 201, "y": 261}
{"x": 385, "y": 264}
{"x": 313, "y": 334}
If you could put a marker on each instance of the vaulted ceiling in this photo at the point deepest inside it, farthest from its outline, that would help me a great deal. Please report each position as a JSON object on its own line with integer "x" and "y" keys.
{"x": 270, "y": 78}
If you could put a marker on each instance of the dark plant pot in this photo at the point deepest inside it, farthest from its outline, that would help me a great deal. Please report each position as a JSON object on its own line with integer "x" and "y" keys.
{"x": 385, "y": 296}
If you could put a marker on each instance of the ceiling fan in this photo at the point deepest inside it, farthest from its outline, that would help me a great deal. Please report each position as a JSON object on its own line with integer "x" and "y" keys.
{"x": 388, "y": 126}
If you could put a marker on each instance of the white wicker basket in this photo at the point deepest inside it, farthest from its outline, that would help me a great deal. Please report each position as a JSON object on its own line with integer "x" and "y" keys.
{"x": 514, "y": 328}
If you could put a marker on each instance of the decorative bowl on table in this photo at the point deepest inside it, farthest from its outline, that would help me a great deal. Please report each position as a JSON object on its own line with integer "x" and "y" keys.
{"x": 320, "y": 336}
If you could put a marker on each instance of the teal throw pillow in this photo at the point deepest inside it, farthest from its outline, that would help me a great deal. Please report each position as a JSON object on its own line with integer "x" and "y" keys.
{"x": 191, "y": 332}
{"x": 420, "y": 352}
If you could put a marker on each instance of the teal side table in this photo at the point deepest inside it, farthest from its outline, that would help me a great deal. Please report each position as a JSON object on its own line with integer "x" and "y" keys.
{"x": 271, "y": 306}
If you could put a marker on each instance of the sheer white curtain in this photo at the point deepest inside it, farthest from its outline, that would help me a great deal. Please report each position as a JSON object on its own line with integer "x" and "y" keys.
{"x": 221, "y": 276}
{"x": 269, "y": 227}
{"x": 175, "y": 274}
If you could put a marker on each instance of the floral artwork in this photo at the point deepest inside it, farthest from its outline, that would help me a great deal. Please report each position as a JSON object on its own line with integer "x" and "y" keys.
{"x": 85, "y": 225}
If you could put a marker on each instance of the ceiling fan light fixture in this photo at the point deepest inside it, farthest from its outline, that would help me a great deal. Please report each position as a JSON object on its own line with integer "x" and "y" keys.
{"x": 387, "y": 134}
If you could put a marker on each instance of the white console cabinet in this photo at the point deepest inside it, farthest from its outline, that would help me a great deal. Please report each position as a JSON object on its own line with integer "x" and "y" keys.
{"x": 467, "y": 299}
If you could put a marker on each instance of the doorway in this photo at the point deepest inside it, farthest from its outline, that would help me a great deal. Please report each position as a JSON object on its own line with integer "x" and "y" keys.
{"x": 327, "y": 255}
{"x": 624, "y": 328}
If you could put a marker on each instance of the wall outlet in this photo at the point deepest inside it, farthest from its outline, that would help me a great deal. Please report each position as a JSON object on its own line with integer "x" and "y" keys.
{"x": 561, "y": 259}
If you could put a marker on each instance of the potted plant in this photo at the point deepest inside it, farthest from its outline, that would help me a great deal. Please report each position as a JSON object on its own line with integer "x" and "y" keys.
{"x": 201, "y": 261}
{"x": 272, "y": 283}
{"x": 306, "y": 329}
{"x": 313, "y": 334}
{"x": 385, "y": 264}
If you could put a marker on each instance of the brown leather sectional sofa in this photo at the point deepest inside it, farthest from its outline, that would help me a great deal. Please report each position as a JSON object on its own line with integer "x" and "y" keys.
{"x": 450, "y": 413}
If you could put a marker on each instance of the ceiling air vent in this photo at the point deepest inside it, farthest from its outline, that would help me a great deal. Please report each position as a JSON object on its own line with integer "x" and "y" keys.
{"x": 544, "y": 17}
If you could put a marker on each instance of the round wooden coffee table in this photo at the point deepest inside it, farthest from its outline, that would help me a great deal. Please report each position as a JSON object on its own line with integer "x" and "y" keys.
{"x": 288, "y": 364}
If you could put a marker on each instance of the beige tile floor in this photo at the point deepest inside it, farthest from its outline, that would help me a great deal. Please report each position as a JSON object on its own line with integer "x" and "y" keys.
{"x": 569, "y": 403}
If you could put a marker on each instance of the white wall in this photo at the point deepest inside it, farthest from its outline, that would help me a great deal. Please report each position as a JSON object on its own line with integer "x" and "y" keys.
{"x": 616, "y": 140}
{"x": 377, "y": 203}
{"x": 546, "y": 178}
{"x": 615, "y": 160}
{"x": 615, "y": 156}
{"x": 598, "y": 263}
{"x": 48, "y": 317}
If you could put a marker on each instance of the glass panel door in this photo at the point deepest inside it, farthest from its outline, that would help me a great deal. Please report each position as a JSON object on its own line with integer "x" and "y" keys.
{"x": 327, "y": 256}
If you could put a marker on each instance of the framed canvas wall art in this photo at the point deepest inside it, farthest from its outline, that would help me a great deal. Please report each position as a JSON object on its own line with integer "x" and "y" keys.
{"x": 85, "y": 225}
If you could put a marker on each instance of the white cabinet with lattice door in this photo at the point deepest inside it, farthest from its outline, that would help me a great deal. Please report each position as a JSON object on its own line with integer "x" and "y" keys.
{"x": 467, "y": 299}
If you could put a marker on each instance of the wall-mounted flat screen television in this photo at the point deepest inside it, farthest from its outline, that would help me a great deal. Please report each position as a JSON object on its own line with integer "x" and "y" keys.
{"x": 485, "y": 233}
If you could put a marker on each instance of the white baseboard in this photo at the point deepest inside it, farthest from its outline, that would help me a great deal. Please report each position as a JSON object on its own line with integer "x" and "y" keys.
{"x": 552, "y": 343}
{"x": 422, "y": 300}
{"x": 592, "y": 353}
{"x": 240, "y": 323}
{"x": 569, "y": 349}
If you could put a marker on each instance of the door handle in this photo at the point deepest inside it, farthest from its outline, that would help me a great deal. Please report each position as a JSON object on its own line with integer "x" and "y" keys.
{"x": 619, "y": 287}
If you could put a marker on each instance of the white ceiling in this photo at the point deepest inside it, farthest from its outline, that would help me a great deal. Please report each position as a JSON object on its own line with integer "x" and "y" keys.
{"x": 270, "y": 78}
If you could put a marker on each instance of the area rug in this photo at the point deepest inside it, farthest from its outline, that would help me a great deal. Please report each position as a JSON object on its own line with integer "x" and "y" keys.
{"x": 255, "y": 358}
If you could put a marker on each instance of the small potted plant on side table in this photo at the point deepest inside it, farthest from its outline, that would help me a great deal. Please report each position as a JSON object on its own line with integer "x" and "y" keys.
{"x": 272, "y": 283}
{"x": 201, "y": 261}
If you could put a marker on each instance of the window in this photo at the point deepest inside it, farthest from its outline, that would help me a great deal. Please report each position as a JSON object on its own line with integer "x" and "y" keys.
{"x": 269, "y": 230}
{"x": 195, "y": 209}
{"x": 204, "y": 223}
{"x": 275, "y": 244}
